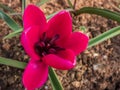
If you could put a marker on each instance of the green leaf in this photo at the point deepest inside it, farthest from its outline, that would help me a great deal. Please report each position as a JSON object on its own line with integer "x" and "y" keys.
{"x": 13, "y": 34}
{"x": 23, "y": 5}
{"x": 6, "y": 8}
{"x": 10, "y": 22}
{"x": 70, "y": 4}
{"x": 106, "y": 35}
{"x": 102, "y": 12}
{"x": 42, "y": 2}
{"x": 54, "y": 80}
{"x": 83, "y": 28}
{"x": 12, "y": 12}
{"x": 49, "y": 16}
{"x": 13, "y": 63}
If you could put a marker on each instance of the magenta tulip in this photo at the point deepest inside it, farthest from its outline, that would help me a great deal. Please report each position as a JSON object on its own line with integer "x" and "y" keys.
{"x": 49, "y": 43}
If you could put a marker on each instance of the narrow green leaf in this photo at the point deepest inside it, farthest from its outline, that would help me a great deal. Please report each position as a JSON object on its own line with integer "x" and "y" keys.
{"x": 41, "y": 2}
{"x": 70, "y": 4}
{"x": 13, "y": 34}
{"x": 102, "y": 12}
{"x": 10, "y": 22}
{"x": 23, "y": 5}
{"x": 13, "y": 63}
{"x": 6, "y": 8}
{"x": 12, "y": 12}
{"x": 106, "y": 35}
{"x": 49, "y": 16}
{"x": 54, "y": 80}
{"x": 83, "y": 28}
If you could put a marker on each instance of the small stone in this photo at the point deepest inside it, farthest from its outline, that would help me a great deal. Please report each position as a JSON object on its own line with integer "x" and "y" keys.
{"x": 46, "y": 87}
{"x": 6, "y": 46}
{"x": 72, "y": 76}
{"x": 105, "y": 57}
{"x": 78, "y": 75}
{"x": 26, "y": 57}
{"x": 95, "y": 54}
{"x": 76, "y": 84}
{"x": 11, "y": 80}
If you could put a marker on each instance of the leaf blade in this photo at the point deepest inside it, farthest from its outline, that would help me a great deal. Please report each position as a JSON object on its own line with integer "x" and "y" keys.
{"x": 13, "y": 34}
{"x": 106, "y": 35}
{"x": 10, "y": 22}
{"x": 102, "y": 12}
{"x": 13, "y": 63}
{"x": 42, "y": 2}
{"x": 54, "y": 80}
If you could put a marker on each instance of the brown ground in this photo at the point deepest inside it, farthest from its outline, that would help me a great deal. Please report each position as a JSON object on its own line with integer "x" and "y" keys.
{"x": 98, "y": 68}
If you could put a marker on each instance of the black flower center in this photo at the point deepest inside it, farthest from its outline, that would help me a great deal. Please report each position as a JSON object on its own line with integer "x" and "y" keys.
{"x": 47, "y": 45}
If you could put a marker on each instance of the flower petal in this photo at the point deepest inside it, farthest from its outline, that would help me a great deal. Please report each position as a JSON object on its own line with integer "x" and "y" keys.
{"x": 60, "y": 24}
{"x": 35, "y": 74}
{"x": 28, "y": 39}
{"x": 63, "y": 60}
{"x": 33, "y": 16}
{"x": 78, "y": 42}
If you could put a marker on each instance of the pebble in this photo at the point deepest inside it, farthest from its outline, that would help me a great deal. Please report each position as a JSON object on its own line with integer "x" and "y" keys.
{"x": 78, "y": 75}
{"x": 72, "y": 76}
{"x": 76, "y": 84}
{"x": 11, "y": 80}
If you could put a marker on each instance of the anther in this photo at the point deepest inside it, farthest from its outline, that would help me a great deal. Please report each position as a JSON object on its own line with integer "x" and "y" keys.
{"x": 41, "y": 44}
{"x": 52, "y": 50}
{"x": 54, "y": 38}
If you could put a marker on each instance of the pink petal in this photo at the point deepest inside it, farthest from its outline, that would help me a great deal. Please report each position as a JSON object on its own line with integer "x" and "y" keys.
{"x": 33, "y": 16}
{"x": 35, "y": 75}
{"x": 28, "y": 39}
{"x": 60, "y": 24}
{"x": 78, "y": 42}
{"x": 64, "y": 60}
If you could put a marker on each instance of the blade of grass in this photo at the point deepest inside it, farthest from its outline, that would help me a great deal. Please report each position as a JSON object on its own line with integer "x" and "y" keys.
{"x": 106, "y": 35}
{"x": 70, "y": 4}
{"x": 6, "y": 8}
{"x": 13, "y": 63}
{"x": 102, "y": 12}
{"x": 10, "y": 10}
{"x": 82, "y": 28}
{"x": 54, "y": 80}
{"x": 10, "y": 22}
{"x": 41, "y": 2}
{"x": 23, "y": 5}
{"x": 13, "y": 34}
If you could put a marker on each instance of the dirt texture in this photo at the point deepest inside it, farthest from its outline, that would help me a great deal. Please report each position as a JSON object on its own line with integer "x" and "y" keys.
{"x": 97, "y": 68}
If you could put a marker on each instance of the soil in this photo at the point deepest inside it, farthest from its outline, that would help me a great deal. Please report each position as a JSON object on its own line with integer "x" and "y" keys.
{"x": 97, "y": 68}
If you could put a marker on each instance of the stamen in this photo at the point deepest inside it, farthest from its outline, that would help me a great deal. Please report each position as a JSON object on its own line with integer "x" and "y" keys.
{"x": 43, "y": 53}
{"x": 54, "y": 38}
{"x": 41, "y": 44}
{"x": 52, "y": 50}
{"x": 58, "y": 48}
{"x": 47, "y": 45}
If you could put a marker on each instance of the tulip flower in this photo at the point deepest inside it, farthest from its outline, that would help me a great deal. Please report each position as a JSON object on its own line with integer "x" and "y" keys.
{"x": 49, "y": 43}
